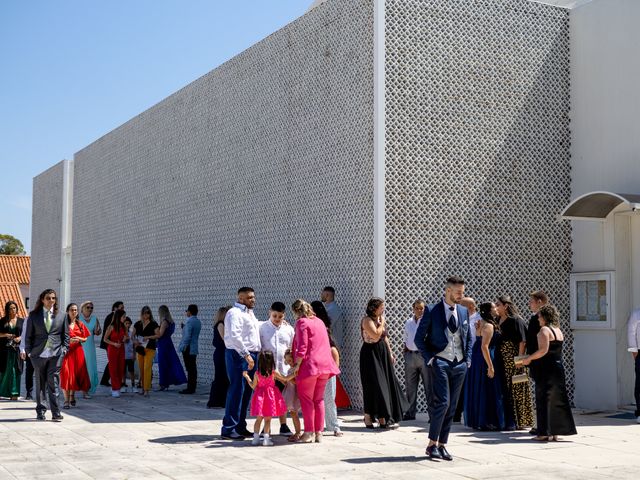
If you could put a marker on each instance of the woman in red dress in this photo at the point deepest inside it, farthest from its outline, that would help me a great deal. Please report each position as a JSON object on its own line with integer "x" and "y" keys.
{"x": 114, "y": 337}
{"x": 74, "y": 375}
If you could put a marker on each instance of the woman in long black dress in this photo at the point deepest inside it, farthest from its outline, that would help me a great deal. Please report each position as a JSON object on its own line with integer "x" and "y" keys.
{"x": 382, "y": 397}
{"x": 517, "y": 396}
{"x": 553, "y": 412}
{"x": 220, "y": 384}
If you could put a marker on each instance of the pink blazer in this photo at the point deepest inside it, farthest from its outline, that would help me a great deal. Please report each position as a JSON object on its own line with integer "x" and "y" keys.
{"x": 311, "y": 342}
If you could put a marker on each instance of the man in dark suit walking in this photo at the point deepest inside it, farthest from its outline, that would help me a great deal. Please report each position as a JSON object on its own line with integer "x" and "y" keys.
{"x": 46, "y": 344}
{"x": 444, "y": 340}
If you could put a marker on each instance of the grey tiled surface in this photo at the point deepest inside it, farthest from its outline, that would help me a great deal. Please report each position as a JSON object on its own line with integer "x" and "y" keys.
{"x": 171, "y": 436}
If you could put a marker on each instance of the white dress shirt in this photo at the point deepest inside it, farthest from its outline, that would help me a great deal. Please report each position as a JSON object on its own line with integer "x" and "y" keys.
{"x": 633, "y": 331}
{"x": 410, "y": 333}
{"x": 277, "y": 340}
{"x": 241, "y": 330}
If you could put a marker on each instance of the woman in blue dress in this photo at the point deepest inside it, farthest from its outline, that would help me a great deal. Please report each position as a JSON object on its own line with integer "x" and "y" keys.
{"x": 89, "y": 320}
{"x": 483, "y": 407}
{"x": 169, "y": 366}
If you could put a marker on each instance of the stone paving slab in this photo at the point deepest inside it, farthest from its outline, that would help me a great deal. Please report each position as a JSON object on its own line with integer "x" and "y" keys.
{"x": 171, "y": 436}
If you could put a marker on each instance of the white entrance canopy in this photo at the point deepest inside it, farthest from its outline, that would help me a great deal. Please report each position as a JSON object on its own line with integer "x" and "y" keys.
{"x": 597, "y": 205}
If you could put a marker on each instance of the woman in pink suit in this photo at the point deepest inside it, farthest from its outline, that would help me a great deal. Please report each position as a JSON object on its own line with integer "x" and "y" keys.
{"x": 314, "y": 366}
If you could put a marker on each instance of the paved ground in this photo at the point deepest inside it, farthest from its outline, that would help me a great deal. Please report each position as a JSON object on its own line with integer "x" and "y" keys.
{"x": 173, "y": 436}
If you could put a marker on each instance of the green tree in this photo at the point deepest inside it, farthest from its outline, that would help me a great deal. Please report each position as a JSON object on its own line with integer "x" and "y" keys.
{"x": 10, "y": 245}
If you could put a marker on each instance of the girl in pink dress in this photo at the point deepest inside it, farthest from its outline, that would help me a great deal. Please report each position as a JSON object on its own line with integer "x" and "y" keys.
{"x": 267, "y": 401}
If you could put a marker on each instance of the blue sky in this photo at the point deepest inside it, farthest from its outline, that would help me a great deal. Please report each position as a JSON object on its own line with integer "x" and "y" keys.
{"x": 73, "y": 70}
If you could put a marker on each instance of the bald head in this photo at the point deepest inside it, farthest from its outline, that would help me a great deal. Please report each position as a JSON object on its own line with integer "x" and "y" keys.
{"x": 469, "y": 303}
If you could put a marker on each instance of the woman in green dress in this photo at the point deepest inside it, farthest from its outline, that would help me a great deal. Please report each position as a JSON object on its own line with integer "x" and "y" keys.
{"x": 10, "y": 362}
{"x": 89, "y": 320}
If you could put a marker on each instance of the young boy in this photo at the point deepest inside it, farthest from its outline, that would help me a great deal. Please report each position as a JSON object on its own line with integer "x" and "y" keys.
{"x": 276, "y": 336}
{"x": 129, "y": 362}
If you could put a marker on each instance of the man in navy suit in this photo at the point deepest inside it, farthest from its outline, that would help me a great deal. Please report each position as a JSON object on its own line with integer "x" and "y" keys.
{"x": 444, "y": 340}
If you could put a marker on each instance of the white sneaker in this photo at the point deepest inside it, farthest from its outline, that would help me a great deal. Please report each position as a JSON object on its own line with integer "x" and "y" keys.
{"x": 115, "y": 393}
{"x": 255, "y": 440}
{"x": 266, "y": 441}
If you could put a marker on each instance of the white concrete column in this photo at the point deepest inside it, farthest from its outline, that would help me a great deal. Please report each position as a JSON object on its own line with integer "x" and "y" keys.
{"x": 379, "y": 149}
{"x": 67, "y": 211}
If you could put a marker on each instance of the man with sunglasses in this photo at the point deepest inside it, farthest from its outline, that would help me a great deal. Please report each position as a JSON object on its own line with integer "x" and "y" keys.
{"x": 46, "y": 344}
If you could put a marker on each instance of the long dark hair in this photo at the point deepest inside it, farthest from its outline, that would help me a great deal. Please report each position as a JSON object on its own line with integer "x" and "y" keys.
{"x": 7, "y": 307}
{"x": 67, "y": 312}
{"x": 510, "y": 307}
{"x": 266, "y": 363}
{"x": 117, "y": 321}
{"x": 321, "y": 313}
{"x": 40, "y": 302}
{"x": 486, "y": 313}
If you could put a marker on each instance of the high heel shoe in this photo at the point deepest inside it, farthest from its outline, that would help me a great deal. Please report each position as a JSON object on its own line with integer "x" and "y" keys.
{"x": 73, "y": 401}
{"x": 318, "y": 437}
{"x": 368, "y": 425}
{"x": 306, "y": 438}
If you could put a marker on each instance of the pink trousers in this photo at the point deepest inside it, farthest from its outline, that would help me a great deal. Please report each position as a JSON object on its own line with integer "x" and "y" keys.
{"x": 311, "y": 394}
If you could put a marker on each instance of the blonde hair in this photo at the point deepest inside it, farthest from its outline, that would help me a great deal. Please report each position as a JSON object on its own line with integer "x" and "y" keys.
{"x": 164, "y": 314}
{"x": 301, "y": 308}
{"x": 84, "y": 304}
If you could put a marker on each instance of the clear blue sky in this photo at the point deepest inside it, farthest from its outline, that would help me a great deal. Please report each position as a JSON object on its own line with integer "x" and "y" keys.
{"x": 73, "y": 70}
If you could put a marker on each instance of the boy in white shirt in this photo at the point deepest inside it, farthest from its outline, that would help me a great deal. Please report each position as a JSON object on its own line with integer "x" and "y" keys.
{"x": 276, "y": 336}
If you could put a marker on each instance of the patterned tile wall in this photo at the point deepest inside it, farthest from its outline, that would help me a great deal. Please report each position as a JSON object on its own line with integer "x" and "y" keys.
{"x": 477, "y": 98}
{"x": 46, "y": 232}
{"x": 258, "y": 173}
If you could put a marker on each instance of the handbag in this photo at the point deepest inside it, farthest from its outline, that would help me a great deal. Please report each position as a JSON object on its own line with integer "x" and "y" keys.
{"x": 520, "y": 378}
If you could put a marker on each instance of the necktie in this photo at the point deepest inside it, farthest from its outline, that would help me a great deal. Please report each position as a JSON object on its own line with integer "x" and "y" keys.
{"x": 453, "y": 325}
{"x": 47, "y": 321}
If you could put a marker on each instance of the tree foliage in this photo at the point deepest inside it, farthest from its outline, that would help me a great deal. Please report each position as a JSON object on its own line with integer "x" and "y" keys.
{"x": 9, "y": 245}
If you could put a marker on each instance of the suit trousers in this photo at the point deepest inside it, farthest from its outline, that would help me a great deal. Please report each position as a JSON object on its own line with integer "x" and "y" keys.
{"x": 192, "y": 370}
{"x": 28, "y": 376}
{"x": 47, "y": 373}
{"x": 446, "y": 380}
{"x": 414, "y": 370}
{"x": 238, "y": 393}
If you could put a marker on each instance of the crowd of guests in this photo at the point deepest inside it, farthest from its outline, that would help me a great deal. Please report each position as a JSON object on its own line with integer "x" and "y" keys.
{"x": 471, "y": 361}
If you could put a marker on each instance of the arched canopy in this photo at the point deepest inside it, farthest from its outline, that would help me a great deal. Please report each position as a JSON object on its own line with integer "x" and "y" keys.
{"x": 597, "y": 205}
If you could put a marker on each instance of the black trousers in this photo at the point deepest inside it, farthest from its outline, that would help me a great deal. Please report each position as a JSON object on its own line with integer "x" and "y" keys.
{"x": 192, "y": 369}
{"x": 637, "y": 389}
{"x": 28, "y": 379}
{"x": 47, "y": 373}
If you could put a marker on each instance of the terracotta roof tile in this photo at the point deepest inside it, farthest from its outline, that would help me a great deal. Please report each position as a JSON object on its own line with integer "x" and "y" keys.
{"x": 15, "y": 268}
{"x": 11, "y": 291}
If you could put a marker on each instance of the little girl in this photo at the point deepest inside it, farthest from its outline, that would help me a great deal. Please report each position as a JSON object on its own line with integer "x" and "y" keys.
{"x": 290, "y": 395}
{"x": 330, "y": 410}
{"x": 267, "y": 401}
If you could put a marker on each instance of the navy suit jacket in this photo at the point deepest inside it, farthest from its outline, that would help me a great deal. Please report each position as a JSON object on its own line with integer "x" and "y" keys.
{"x": 431, "y": 337}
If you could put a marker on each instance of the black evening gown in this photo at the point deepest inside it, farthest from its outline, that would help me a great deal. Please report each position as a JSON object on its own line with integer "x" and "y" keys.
{"x": 382, "y": 397}
{"x": 553, "y": 411}
{"x": 220, "y": 384}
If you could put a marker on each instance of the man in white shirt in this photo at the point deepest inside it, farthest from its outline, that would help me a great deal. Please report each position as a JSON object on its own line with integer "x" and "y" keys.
{"x": 242, "y": 342}
{"x": 328, "y": 297}
{"x": 276, "y": 336}
{"x": 414, "y": 367}
{"x": 633, "y": 331}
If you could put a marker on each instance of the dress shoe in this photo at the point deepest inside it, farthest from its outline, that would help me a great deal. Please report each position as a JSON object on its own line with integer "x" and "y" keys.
{"x": 433, "y": 452}
{"x": 232, "y": 436}
{"x": 41, "y": 416}
{"x": 244, "y": 432}
{"x": 28, "y": 397}
{"x": 285, "y": 430}
{"x": 444, "y": 454}
{"x": 57, "y": 418}
{"x": 533, "y": 431}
